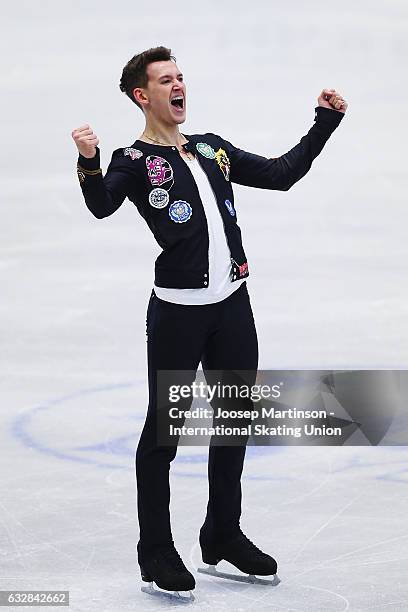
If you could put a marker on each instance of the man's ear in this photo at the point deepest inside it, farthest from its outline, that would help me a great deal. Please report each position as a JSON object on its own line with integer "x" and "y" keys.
{"x": 141, "y": 96}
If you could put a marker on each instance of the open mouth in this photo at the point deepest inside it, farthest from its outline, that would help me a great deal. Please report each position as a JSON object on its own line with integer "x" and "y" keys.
{"x": 178, "y": 103}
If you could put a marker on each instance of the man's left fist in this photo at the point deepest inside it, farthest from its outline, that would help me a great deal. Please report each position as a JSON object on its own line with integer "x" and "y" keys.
{"x": 330, "y": 98}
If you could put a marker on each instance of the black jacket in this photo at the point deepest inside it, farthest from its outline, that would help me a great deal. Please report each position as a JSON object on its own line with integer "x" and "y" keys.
{"x": 160, "y": 184}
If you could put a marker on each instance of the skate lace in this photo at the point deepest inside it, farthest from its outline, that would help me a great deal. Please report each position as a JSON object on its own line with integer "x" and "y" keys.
{"x": 249, "y": 545}
{"x": 170, "y": 554}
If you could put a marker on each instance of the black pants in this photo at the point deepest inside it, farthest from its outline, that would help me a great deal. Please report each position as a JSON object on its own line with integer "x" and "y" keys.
{"x": 222, "y": 336}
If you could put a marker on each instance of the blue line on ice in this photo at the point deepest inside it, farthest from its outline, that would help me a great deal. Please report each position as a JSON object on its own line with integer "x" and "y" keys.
{"x": 20, "y": 430}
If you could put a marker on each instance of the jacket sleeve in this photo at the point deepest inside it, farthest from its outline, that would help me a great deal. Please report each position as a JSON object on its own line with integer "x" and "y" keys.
{"x": 104, "y": 194}
{"x": 282, "y": 172}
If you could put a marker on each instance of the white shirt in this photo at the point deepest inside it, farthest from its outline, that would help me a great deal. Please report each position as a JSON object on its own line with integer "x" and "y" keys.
{"x": 220, "y": 286}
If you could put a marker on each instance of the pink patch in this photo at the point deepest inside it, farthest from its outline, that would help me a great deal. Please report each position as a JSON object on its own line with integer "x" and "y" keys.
{"x": 133, "y": 153}
{"x": 243, "y": 269}
{"x": 159, "y": 170}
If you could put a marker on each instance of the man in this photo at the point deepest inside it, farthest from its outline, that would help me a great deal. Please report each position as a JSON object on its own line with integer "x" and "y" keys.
{"x": 199, "y": 308}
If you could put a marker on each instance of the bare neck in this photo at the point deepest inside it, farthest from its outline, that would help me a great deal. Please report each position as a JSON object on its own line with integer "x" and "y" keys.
{"x": 163, "y": 134}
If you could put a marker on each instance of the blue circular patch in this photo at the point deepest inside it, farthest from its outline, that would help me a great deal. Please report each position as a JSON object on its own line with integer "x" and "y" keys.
{"x": 180, "y": 211}
{"x": 230, "y": 207}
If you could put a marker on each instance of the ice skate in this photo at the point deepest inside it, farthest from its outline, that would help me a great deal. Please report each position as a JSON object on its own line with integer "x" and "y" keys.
{"x": 165, "y": 568}
{"x": 244, "y": 555}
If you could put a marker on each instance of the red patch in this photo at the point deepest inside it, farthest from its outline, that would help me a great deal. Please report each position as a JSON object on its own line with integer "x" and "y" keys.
{"x": 243, "y": 269}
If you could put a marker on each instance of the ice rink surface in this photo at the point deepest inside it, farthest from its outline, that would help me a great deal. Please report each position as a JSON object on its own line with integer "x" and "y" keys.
{"x": 327, "y": 282}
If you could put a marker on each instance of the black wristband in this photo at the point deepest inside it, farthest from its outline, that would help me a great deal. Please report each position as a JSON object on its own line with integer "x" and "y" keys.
{"x": 93, "y": 163}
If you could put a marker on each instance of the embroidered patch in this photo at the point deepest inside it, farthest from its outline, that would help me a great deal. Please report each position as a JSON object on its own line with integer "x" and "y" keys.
{"x": 223, "y": 162}
{"x": 230, "y": 207}
{"x": 205, "y": 149}
{"x": 243, "y": 269}
{"x": 180, "y": 211}
{"x": 133, "y": 153}
{"x": 158, "y": 198}
{"x": 159, "y": 171}
{"x": 81, "y": 175}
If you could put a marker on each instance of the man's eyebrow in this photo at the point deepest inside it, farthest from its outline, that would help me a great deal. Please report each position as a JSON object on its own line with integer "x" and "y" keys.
{"x": 167, "y": 76}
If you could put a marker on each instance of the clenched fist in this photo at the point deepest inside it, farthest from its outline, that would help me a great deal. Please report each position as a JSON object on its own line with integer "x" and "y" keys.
{"x": 331, "y": 99}
{"x": 85, "y": 140}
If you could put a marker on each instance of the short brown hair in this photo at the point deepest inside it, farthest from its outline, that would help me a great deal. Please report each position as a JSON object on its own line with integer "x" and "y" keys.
{"x": 134, "y": 73}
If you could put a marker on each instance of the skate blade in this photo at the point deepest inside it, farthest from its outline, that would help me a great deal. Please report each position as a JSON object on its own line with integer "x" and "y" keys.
{"x": 173, "y": 595}
{"x": 250, "y": 578}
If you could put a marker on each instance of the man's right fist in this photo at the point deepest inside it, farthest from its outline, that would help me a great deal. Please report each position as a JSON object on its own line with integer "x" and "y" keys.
{"x": 85, "y": 140}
